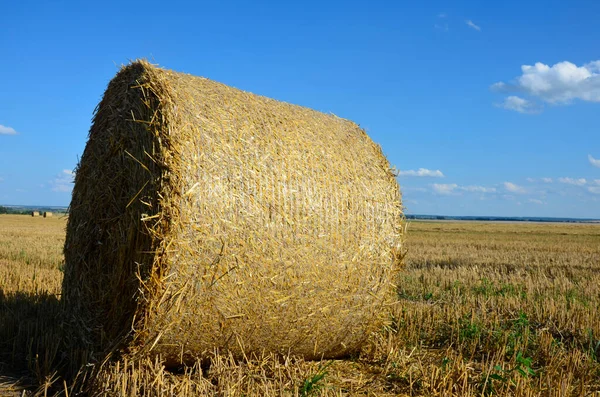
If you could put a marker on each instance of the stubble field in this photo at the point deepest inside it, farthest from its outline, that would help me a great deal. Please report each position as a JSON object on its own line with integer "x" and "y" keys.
{"x": 482, "y": 309}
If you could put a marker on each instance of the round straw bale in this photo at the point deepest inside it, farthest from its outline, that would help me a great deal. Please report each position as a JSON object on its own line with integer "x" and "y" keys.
{"x": 47, "y": 214}
{"x": 35, "y": 213}
{"x": 205, "y": 219}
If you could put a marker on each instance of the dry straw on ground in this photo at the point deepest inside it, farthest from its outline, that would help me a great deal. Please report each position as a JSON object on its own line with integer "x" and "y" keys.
{"x": 206, "y": 218}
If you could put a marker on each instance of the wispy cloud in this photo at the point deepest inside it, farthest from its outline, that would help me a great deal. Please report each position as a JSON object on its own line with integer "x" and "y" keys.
{"x": 547, "y": 180}
{"x": 535, "y": 201}
{"x": 441, "y": 26}
{"x": 4, "y": 130}
{"x": 444, "y": 188}
{"x": 472, "y": 25}
{"x": 514, "y": 188}
{"x": 593, "y": 161}
{"x": 519, "y": 104}
{"x": 441, "y": 23}
{"x": 594, "y": 189}
{"x": 561, "y": 83}
{"x": 63, "y": 182}
{"x": 573, "y": 181}
{"x": 478, "y": 189}
{"x": 413, "y": 189}
{"x": 422, "y": 172}
{"x": 453, "y": 188}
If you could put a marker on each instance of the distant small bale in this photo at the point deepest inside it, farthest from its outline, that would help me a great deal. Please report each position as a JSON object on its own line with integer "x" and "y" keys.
{"x": 35, "y": 213}
{"x": 47, "y": 214}
{"x": 205, "y": 218}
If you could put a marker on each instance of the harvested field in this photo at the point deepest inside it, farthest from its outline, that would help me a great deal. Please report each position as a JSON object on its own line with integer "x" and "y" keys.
{"x": 482, "y": 309}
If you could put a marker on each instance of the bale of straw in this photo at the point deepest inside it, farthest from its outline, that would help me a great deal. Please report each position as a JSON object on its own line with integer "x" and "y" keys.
{"x": 47, "y": 214}
{"x": 205, "y": 218}
{"x": 35, "y": 213}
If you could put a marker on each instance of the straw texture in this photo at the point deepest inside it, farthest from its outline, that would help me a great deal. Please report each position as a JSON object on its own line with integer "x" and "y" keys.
{"x": 206, "y": 218}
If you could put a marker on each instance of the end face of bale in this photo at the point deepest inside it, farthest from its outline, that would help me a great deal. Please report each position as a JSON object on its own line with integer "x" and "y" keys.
{"x": 206, "y": 218}
{"x": 109, "y": 249}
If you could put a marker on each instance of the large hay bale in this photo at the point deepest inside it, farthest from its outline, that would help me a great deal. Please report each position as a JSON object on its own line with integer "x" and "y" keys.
{"x": 35, "y": 213}
{"x": 47, "y": 214}
{"x": 204, "y": 217}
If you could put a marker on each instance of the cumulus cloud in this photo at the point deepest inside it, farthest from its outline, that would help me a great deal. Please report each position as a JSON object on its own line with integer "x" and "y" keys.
{"x": 560, "y": 83}
{"x": 63, "y": 182}
{"x": 547, "y": 180}
{"x": 519, "y": 104}
{"x": 422, "y": 172}
{"x": 513, "y": 188}
{"x": 573, "y": 181}
{"x": 472, "y": 25}
{"x": 593, "y": 161}
{"x": 444, "y": 188}
{"x": 4, "y": 130}
{"x": 499, "y": 87}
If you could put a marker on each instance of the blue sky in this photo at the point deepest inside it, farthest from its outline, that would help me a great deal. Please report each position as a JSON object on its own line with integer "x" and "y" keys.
{"x": 485, "y": 108}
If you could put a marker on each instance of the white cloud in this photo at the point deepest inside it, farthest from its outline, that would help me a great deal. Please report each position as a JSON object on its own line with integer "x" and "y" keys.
{"x": 513, "y": 188}
{"x": 519, "y": 104}
{"x": 535, "y": 201}
{"x": 499, "y": 87}
{"x": 531, "y": 180}
{"x": 478, "y": 189}
{"x": 573, "y": 181}
{"x": 560, "y": 83}
{"x": 63, "y": 181}
{"x": 596, "y": 182}
{"x": 444, "y": 188}
{"x": 4, "y": 130}
{"x": 413, "y": 189}
{"x": 472, "y": 25}
{"x": 422, "y": 172}
{"x": 594, "y": 189}
{"x": 593, "y": 161}
{"x": 547, "y": 180}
